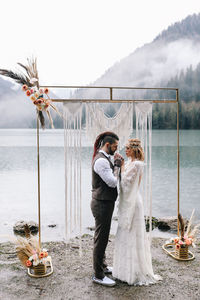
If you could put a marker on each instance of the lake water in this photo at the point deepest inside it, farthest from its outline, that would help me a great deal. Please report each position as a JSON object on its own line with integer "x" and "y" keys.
{"x": 18, "y": 178}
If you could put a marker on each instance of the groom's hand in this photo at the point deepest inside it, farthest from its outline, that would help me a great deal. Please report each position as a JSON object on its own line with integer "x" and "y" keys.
{"x": 118, "y": 162}
{"x": 117, "y": 166}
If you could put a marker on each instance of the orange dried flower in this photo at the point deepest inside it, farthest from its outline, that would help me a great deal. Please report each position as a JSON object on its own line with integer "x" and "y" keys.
{"x": 24, "y": 87}
{"x": 46, "y": 90}
{"x": 28, "y": 263}
{"x": 28, "y": 93}
{"x": 38, "y": 101}
{"x": 33, "y": 98}
{"x": 41, "y": 255}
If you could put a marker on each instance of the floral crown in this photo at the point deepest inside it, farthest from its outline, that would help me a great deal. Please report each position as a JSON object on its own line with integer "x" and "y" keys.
{"x": 134, "y": 143}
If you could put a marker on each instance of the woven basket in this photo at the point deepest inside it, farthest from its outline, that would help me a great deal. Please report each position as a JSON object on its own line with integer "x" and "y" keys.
{"x": 40, "y": 269}
{"x": 182, "y": 252}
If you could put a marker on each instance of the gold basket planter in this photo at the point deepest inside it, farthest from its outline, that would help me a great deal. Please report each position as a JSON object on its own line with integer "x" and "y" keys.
{"x": 40, "y": 270}
{"x": 181, "y": 252}
{"x": 182, "y": 255}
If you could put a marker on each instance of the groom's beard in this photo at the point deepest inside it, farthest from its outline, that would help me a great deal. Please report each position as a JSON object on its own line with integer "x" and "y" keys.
{"x": 110, "y": 151}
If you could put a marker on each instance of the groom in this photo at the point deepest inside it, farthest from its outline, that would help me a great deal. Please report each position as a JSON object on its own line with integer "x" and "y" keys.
{"x": 104, "y": 193}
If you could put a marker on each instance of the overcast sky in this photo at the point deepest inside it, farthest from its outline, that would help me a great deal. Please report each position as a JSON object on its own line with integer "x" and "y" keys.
{"x": 75, "y": 41}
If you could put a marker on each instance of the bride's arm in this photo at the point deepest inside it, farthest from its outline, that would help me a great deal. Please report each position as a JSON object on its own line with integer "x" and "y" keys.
{"x": 140, "y": 169}
{"x": 130, "y": 172}
{"x": 128, "y": 176}
{"x": 140, "y": 178}
{"x": 129, "y": 187}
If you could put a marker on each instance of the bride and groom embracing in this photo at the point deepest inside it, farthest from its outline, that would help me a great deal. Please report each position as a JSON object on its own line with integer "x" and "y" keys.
{"x": 132, "y": 257}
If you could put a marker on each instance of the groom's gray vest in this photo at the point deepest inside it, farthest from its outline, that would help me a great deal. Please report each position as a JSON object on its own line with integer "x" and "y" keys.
{"x": 100, "y": 190}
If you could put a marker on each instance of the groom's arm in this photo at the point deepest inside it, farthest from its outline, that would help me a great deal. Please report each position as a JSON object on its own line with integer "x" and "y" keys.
{"x": 117, "y": 167}
{"x": 103, "y": 169}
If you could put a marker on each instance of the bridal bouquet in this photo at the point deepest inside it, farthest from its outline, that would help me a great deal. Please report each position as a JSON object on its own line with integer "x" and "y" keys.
{"x": 187, "y": 238}
{"x": 30, "y": 84}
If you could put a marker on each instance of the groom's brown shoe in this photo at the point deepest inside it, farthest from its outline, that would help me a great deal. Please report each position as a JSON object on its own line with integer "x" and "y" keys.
{"x": 108, "y": 270}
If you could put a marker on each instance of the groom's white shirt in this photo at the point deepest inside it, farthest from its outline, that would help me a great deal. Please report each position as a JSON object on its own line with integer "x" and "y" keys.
{"x": 103, "y": 169}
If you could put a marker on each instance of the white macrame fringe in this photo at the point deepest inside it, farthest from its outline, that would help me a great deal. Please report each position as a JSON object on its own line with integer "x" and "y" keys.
{"x": 144, "y": 133}
{"x": 73, "y": 181}
{"x": 98, "y": 121}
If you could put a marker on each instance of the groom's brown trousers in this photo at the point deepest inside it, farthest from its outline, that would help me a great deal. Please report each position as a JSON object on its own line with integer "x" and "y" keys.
{"x": 102, "y": 211}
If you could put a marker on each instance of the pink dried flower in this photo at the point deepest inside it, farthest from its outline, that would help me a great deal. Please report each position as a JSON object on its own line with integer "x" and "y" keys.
{"x": 188, "y": 242}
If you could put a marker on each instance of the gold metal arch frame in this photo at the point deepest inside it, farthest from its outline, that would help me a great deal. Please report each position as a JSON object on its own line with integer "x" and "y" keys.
{"x": 111, "y": 99}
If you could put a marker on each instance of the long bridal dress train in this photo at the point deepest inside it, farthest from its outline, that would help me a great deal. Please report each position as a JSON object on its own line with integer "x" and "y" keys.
{"x": 132, "y": 256}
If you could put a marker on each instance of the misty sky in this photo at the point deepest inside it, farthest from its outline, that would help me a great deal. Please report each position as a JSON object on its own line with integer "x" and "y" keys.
{"x": 75, "y": 41}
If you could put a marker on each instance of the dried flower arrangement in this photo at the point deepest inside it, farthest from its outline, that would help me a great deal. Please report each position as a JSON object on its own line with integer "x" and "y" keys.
{"x": 29, "y": 251}
{"x": 186, "y": 238}
{"x": 30, "y": 84}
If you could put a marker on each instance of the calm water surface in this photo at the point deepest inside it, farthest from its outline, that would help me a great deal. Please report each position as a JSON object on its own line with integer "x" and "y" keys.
{"x": 18, "y": 178}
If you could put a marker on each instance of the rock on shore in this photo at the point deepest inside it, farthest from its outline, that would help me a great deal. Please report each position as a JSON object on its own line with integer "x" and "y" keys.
{"x": 18, "y": 228}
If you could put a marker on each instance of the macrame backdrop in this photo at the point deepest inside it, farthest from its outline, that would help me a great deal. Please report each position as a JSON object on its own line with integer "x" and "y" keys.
{"x": 96, "y": 121}
{"x": 73, "y": 193}
{"x": 144, "y": 133}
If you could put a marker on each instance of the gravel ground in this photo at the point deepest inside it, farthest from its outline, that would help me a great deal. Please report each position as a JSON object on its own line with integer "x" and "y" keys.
{"x": 72, "y": 275}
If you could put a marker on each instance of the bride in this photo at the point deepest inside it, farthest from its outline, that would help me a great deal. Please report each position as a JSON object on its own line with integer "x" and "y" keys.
{"x": 132, "y": 257}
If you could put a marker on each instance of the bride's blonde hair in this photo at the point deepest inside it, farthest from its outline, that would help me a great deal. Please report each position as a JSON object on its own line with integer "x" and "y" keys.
{"x": 135, "y": 145}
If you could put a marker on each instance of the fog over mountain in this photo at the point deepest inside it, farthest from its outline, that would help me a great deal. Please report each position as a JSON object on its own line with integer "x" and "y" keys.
{"x": 15, "y": 108}
{"x": 163, "y": 62}
{"x": 171, "y": 52}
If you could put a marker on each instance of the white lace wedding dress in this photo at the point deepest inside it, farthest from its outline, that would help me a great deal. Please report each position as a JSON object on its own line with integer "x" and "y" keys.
{"x": 132, "y": 256}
